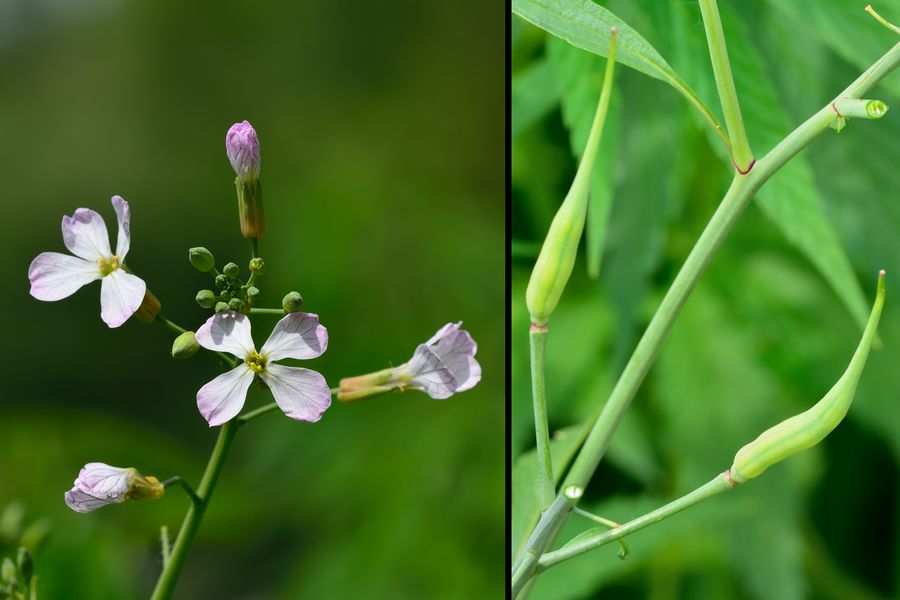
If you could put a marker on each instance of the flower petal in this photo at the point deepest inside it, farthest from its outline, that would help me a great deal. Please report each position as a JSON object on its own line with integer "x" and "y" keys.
{"x": 446, "y": 329}
{"x": 55, "y": 276}
{"x": 298, "y": 335}
{"x": 223, "y": 397}
{"x": 85, "y": 235}
{"x": 104, "y": 481}
{"x": 457, "y": 350}
{"x": 430, "y": 374}
{"x": 229, "y": 332}
{"x": 121, "y": 295}
{"x": 83, "y": 502}
{"x": 301, "y": 393}
{"x": 123, "y": 215}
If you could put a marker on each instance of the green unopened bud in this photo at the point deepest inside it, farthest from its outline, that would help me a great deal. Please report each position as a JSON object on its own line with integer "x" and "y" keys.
{"x": 292, "y": 302}
{"x": 235, "y": 304}
{"x": 25, "y": 564}
{"x": 202, "y": 259}
{"x": 185, "y": 345}
{"x": 221, "y": 281}
{"x": 257, "y": 266}
{"x": 206, "y": 298}
{"x": 222, "y": 308}
{"x": 8, "y": 571}
{"x": 231, "y": 270}
{"x": 252, "y": 293}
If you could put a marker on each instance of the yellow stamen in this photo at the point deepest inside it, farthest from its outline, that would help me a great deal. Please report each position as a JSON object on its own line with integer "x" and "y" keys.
{"x": 256, "y": 362}
{"x": 107, "y": 266}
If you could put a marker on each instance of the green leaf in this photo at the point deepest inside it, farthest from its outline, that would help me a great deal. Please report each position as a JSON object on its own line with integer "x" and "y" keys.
{"x": 587, "y": 26}
{"x": 790, "y": 199}
{"x": 525, "y": 493}
{"x": 579, "y": 77}
{"x": 847, "y": 29}
{"x": 533, "y": 94}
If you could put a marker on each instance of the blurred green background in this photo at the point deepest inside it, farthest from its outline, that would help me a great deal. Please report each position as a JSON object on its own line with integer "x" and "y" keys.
{"x": 764, "y": 334}
{"x": 381, "y": 128}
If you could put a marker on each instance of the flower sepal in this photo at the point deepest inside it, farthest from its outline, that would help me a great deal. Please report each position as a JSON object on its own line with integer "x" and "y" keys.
{"x": 250, "y": 207}
{"x": 149, "y": 308}
{"x": 360, "y": 387}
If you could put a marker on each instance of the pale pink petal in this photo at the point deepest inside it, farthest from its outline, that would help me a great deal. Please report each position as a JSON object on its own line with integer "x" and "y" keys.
{"x": 97, "y": 485}
{"x": 123, "y": 215}
{"x": 102, "y": 480}
{"x": 429, "y": 374}
{"x": 83, "y": 502}
{"x": 121, "y": 295}
{"x": 223, "y": 397}
{"x": 229, "y": 332}
{"x": 449, "y": 327}
{"x": 84, "y": 234}
{"x": 302, "y": 394}
{"x": 55, "y": 276}
{"x": 298, "y": 335}
{"x": 456, "y": 350}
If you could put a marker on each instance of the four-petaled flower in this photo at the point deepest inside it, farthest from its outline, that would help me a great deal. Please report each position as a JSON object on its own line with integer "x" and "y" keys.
{"x": 55, "y": 276}
{"x": 441, "y": 367}
{"x": 301, "y": 393}
{"x": 99, "y": 484}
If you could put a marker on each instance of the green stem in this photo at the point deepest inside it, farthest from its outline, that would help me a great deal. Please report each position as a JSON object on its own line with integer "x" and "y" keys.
{"x": 740, "y": 193}
{"x": 170, "y": 324}
{"x": 721, "y": 483}
{"x": 165, "y": 545}
{"x": 169, "y": 576}
{"x": 538, "y": 338}
{"x": 267, "y": 311}
{"x": 741, "y": 154}
{"x": 185, "y": 486}
{"x": 551, "y": 520}
{"x": 254, "y": 248}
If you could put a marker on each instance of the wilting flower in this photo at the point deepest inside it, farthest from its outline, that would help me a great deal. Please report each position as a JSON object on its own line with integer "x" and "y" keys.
{"x": 55, "y": 276}
{"x": 99, "y": 484}
{"x": 301, "y": 393}
{"x": 242, "y": 147}
{"x": 441, "y": 367}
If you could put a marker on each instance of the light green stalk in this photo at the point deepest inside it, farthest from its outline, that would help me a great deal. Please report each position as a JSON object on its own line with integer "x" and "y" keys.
{"x": 741, "y": 154}
{"x": 739, "y": 194}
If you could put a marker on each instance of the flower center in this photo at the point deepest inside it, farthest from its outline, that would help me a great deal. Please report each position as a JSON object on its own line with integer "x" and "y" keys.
{"x": 256, "y": 362}
{"x": 109, "y": 265}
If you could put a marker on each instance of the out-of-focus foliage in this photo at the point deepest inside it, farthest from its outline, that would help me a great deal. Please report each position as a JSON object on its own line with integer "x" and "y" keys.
{"x": 381, "y": 130}
{"x": 771, "y": 325}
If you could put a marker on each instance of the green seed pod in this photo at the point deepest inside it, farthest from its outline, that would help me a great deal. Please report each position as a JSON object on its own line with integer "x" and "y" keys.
{"x": 557, "y": 257}
{"x": 185, "y": 345}
{"x": 202, "y": 259}
{"x": 231, "y": 270}
{"x": 206, "y": 298}
{"x": 222, "y": 308}
{"x": 810, "y": 427}
{"x": 257, "y": 266}
{"x": 292, "y": 302}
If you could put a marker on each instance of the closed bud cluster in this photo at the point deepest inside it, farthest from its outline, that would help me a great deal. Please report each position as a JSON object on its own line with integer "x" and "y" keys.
{"x": 231, "y": 270}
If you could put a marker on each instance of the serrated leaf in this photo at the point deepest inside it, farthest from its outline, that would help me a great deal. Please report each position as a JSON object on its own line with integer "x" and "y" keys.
{"x": 847, "y": 29}
{"x": 533, "y": 94}
{"x": 579, "y": 77}
{"x": 525, "y": 484}
{"x": 587, "y": 26}
{"x": 790, "y": 199}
